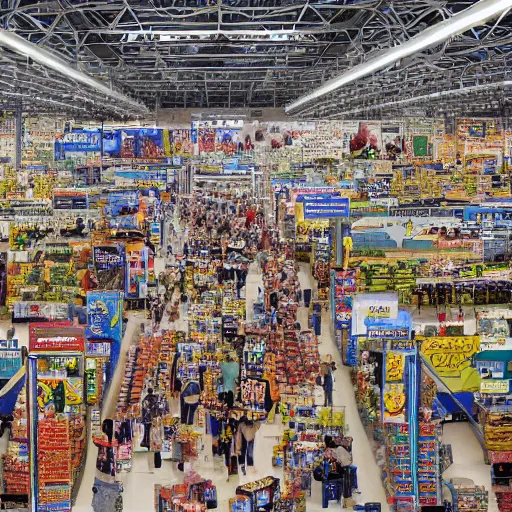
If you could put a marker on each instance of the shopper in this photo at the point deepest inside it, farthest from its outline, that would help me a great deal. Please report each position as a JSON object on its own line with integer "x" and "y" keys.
{"x": 327, "y": 369}
{"x": 230, "y": 374}
{"x": 10, "y": 333}
{"x": 244, "y": 443}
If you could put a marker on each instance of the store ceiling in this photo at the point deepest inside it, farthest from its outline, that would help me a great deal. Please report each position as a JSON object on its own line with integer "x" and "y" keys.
{"x": 251, "y": 53}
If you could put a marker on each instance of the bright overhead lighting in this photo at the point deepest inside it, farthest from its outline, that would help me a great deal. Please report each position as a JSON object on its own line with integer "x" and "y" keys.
{"x": 476, "y": 15}
{"x": 49, "y": 60}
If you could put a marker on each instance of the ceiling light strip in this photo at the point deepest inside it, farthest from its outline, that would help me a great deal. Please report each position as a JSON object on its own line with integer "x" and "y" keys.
{"x": 49, "y": 60}
{"x": 476, "y": 15}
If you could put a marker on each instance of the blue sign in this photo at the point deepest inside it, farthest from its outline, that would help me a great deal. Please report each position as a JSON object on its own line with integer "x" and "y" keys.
{"x": 10, "y": 362}
{"x": 77, "y": 141}
{"x": 104, "y": 318}
{"x": 325, "y": 209}
{"x": 105, "y": 322}
{"x": 143, "y": 175}
{"x": 398, "y": 328}
{"x": 351, "y": 356}
{"x": 310, "y": 198}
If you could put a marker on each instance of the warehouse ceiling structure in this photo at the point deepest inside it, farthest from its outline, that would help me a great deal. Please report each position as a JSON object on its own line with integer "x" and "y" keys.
{"x": 250, "y": 53}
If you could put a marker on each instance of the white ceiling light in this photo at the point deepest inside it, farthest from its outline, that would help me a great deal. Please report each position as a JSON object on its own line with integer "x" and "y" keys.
{"x": 476, "y": 15}
{"x": 49, "y": 60}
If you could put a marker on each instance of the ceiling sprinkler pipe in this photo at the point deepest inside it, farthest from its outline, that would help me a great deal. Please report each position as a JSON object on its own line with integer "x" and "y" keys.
{"x": 476, "y": 15}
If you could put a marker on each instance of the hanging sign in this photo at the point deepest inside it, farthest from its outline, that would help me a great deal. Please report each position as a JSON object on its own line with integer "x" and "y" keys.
{"x": 379, "y": 311}
{"x": 449, "y": 355}
{"x": 397, "y": 334}
{"x": 10, "y": 362}
{"x": 52, "y": 338}
{"x": 97, "y": 349}
{"x": 494, "y": 386}
{"x": 325, "y": 209}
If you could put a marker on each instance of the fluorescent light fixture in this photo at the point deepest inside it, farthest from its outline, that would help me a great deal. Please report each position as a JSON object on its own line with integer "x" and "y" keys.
{"x": 431, "y": 96}
{"x": 49, "y": 60}
{"x": 474, "y": 16}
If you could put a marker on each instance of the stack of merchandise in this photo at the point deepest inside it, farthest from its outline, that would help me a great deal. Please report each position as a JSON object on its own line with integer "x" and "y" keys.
{"x": 16, "y": 471}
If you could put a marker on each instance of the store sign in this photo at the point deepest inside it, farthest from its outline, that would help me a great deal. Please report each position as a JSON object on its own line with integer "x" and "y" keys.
{"x": 10, "y": 362}
{"x": 495, "y": 343}
{"x": 396, "y": 334}
{"x": 449, "y": 355}
{"x": 494, "y": 386}
{"x": 334, "y": 207}
{"x": 70, "y": 199}
{"x": 50, "y": 338}
{"x": 9, "y": 344}
{"x": 351, "y": 356}
{"x": 97, "y": 349}
{"x": 378, "y": 311}
{"x": 83, "y": 141}
{"x": 104, "y": 316}
{"x": 305, "y": 198}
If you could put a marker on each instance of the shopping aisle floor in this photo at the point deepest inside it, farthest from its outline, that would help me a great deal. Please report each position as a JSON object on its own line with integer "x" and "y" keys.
{"x": 139, "y": 483}
{"x": 468, "y": 458}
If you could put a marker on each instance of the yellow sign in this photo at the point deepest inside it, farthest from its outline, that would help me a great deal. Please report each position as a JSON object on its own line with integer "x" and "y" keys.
{"x": 449, "y": 355}
{"x": 395, "y": 364}
{"x": 379, "y": 311}
{"x": 494, "y": 386}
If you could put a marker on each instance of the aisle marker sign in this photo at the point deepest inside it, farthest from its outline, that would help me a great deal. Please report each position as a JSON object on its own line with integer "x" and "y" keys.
{"x": 324, "y": 208}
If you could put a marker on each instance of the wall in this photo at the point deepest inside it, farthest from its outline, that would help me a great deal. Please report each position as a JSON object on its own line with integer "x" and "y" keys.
{"x": 182, "y": 118}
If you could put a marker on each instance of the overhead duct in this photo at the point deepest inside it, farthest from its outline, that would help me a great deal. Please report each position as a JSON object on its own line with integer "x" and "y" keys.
{"x": 476, "y": 15}
{"x": 23, "y": 47}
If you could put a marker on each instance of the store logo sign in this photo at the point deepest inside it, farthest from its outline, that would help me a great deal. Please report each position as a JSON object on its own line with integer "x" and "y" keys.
{"x": 494, "y": 386}
{"x": 379, "y": 311}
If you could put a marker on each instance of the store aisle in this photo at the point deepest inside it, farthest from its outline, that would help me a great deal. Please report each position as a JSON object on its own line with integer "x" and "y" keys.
{"x": 368, "y": 472}
{"x": 139, "y": 483}
{"x": 468, "y": 458}
{"x": 84, "y": 498}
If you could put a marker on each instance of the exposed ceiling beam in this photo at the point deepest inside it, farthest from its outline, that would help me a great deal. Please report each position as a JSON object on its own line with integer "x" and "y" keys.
{"x": 23, "y": 47}
{"x": 475, "y": 15}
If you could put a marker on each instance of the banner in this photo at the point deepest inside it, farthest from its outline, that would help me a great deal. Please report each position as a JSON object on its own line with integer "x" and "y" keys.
{"x": 77, "y": 141}
{"x": 495, "y": 386}
{"x": 141, "y": 143}
{"x": 105, "y": 317}
{"x": 142, "y": 179}
{"x": 109, "y": 264}
{"x": 10, "y": 362}
{"x": 449, "y": 356}
{"x": 333, "y": 207}
{"x": 395, "y": 366}
{"x": 105, "y": 322}
{"x": 55, "y": 337}
{"x": 395, "y": 399}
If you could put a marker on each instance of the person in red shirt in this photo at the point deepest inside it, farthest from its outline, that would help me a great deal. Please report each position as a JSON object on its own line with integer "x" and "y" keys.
{"x": 250, "y": 217}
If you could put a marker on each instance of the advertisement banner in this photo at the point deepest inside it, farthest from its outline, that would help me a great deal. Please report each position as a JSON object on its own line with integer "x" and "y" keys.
{"x": 395, "y": 398}
{"x": 70, "y": 199}
{"x": 77, "y": 141}
{"x": 495, "y": 386}
{"x": 141, "y": 143}
{"x": 395, "y": 366}
{"x": 449, "y": 356}
{"x": 333, "y": 207}
{"x": 105, "y": 319}
{"x": 10, "y": 362}
{"x": 55, "y": 337}
{"x": 109, "y": 264}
